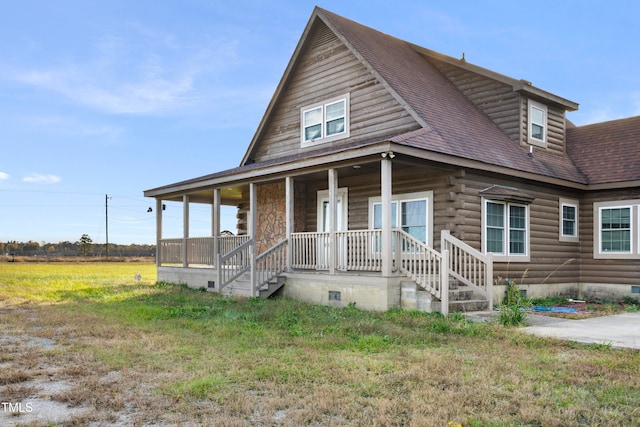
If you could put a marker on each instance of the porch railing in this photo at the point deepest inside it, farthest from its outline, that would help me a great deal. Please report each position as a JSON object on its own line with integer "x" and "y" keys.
{"x": 199, "y": 249}
{"x": 356, "y": 250}
{"x": 469, "y": 266}
{"x": 424, "y": 265}
{"x": 310, "y": 251}
{"x": 270, "y": 264}
{"x": 359, "y": 250}
{"x": 170, "y": 251}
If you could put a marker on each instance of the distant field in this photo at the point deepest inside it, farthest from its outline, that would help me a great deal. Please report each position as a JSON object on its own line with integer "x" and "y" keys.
{"x": 103, "y": 343}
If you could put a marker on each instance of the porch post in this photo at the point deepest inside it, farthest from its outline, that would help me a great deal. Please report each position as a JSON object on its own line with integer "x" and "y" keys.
{"x": 215, "y": 224}
{"x": 252, "y": 232}
{"x": 289, "y": 206}
{"x": 185, "y": 229}
{"x": 333, "y": 213}
{"x": 158, "y": 232}
{"x": 385, "y": 189}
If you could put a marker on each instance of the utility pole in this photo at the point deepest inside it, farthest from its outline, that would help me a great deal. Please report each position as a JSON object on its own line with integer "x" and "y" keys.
{"x": 106, "y": 216}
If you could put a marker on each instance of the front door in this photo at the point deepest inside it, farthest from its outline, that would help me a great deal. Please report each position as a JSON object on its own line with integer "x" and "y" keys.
{"x": 323, "y": 227}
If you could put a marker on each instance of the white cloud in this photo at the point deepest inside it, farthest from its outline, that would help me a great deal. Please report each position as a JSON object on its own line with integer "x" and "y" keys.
{"x": 37, "y": 178}
{"x": 4, "y": 175}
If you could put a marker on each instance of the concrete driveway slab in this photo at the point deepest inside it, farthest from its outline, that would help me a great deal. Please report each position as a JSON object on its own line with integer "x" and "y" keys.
{"x": 620, "y": 330}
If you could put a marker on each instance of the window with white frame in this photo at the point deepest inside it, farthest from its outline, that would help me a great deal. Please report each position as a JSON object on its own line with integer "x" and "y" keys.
{"x": 325, "y": 122}
{"x": 409, "y": 212}
{"x": 616, "y": 229}
{"x": 506, "y": 230}
{"x": 537, "y": 124}
{"x": 568, "y": 220}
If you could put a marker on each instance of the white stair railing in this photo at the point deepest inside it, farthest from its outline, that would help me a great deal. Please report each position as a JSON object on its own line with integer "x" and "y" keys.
{"x": 270, "y": 264}
{"x": 470, "y": 266}
{"x": 235, "y": 263}
{"x": 425, "y": 266}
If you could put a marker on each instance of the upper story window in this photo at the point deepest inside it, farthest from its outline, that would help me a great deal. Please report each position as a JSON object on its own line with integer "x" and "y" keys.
{"x": 325, "y": 122}
{"x": 568, "y": 220}
{"x": 537, "y": 124}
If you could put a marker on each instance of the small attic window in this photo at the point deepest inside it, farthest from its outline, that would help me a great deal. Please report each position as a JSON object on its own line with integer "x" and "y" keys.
{"x": 325, "y": 122}
{"x": 537, "y": 124}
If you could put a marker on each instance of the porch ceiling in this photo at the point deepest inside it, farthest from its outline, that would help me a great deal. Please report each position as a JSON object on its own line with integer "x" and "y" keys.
{"x": 228, "y": 196}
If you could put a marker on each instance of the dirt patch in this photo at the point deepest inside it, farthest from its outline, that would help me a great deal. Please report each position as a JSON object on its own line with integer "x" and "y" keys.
{"x": 28, "y": 392}
{"x": 46, "y": 378}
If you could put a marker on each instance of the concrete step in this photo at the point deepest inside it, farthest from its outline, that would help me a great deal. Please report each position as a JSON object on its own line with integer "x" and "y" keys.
{"x": 460, "y": 294}
{"x": 468, "y": 306}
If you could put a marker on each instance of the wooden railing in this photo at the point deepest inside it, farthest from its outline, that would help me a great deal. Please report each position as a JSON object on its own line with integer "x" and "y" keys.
{"x": 310, "y": 251}
{"x": 170, "y": 251}
{"x": 356, "y": 250}
{"x": 228, "y": 243}
{"x": 469, "y": 266}
{"x": 270, "y": 264}
{"x": 199, "y": 249}
{"x": 234, "y": 264}
{"x": 359, "y": 250}
{"x": 428, "y": 268}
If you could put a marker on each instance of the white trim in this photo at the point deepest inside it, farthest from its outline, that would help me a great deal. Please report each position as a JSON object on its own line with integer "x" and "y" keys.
{"x": 533, "y": 105}
{"x": 567, "y": 237}
{"x": 634, "y": 252}
{"x": 505, "y": 256}
{"x": 407, "y": 197}
{"x": 343, "y": 196}
{"x": 323, "y": 107}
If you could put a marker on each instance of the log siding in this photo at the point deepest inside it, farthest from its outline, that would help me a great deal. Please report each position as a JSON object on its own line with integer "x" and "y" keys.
{"x": 325, "y": 70}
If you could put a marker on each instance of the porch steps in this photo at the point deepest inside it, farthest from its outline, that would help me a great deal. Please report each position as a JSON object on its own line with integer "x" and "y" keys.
{"x": 242, "y": 287}
{"x": 461, "y": 298}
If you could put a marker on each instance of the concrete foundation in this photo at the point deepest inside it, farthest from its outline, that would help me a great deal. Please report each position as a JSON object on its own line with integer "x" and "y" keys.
{"x": 368, "y": 292}
{"x": 373, "y": 292}
{"x": 192, "y": 277}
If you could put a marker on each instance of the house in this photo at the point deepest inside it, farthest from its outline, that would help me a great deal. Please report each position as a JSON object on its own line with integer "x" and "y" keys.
{"x": 388, "y": 175}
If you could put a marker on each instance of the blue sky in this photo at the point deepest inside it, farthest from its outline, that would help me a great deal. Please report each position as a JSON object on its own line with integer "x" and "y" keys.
{"x": 115, "y": 97}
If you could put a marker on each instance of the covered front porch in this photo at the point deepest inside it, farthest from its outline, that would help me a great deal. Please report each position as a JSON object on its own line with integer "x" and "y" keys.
{"x": 377, "y": 268}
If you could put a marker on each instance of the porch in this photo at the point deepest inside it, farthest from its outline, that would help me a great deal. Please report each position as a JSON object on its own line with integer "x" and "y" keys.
{"x": 336, "y": 268}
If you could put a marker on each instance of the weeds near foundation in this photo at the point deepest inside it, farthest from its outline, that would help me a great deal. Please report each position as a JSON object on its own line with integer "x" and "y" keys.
{"x": 514, "y": 306}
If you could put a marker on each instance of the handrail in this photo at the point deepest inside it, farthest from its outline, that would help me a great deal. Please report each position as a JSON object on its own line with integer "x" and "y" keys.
{"x": 235, "y": 263}
{"x": 270, "y": 264}
{"x": 469, "y": 266}
{"x": 424, "y": 265}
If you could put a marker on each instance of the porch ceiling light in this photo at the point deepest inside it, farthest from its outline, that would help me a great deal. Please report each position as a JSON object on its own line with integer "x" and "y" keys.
{"x": 391, "y": 154}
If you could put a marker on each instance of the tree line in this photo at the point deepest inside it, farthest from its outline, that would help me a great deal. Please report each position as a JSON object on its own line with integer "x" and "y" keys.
{"x": 84, "y": 247}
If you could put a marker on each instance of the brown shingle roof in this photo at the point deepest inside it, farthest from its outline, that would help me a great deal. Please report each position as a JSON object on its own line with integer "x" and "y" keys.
{"x": 453, "y": 125}
{"x": 607, "y": 152}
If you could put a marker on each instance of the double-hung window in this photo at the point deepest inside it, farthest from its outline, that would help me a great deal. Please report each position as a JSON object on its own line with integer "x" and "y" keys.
{"x": 537, "y": 124}
{"x": 325, "y": 122}
{"x": 506, "y": 230}
{"x": 615, "y": 229}
{"x": 568, "y": 220}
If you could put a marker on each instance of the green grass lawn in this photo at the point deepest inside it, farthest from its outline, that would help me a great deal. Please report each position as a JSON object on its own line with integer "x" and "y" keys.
{"x": 161, "y": 353}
